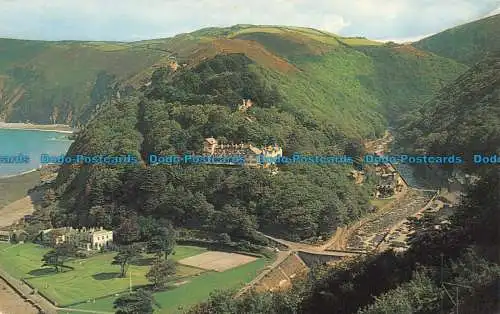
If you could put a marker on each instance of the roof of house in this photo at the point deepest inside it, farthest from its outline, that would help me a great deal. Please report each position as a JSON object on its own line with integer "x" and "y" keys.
{"x": 255, "y": 150}
{"x": 99, "y": 232}
{"x": 211, "y": 140}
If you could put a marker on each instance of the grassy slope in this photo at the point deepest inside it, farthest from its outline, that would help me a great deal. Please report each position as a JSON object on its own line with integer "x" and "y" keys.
{"x": 463, "y": 118}
{"x": 62, "y": 74}
{"x": 352, "y": 80}
{"x": 468, "y": 43}
{"x": 315, "y": 69}
{"x": 403, "y": 76}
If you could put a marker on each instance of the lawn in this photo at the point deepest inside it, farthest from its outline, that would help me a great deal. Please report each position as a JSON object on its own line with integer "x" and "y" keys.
{"x": 196, "y": 290}
{"x": 92, "y": 278}
{"x": 199, "y": 288}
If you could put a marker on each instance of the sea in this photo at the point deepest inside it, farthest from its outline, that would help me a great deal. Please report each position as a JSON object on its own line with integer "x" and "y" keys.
{"x": 32, "y": 143}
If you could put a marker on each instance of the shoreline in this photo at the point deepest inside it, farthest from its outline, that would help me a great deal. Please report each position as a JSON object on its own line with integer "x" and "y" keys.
{"x": 19, "y": 174}
{"x": 59, "y": 128}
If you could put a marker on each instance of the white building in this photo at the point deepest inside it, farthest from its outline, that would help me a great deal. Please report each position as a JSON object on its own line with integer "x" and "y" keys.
{"x": 86, "y": 238}
{"x": 254, "y": 156}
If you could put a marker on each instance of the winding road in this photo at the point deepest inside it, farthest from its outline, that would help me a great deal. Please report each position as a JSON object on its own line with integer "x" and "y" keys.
{"x": 337, "y": 244}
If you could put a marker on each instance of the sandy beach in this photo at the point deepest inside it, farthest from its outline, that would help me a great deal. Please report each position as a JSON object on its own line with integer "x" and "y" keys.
{"x": 16, "y": 187}
{"x": 18, "y": 209}
{"x": 60, "y": 128}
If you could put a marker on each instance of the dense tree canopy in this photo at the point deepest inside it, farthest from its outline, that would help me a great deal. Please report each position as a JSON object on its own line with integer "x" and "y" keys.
{"x": 401, "y": 283}
{"x": 301, "y": 201}
{"x": 137, "y": 302}
{"x": 463, "y": 119}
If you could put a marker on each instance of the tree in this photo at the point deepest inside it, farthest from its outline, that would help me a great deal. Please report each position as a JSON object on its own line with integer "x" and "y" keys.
{"x": 128, "y": 232}
{"x": 162, "y": 241}
{"x": 160, "y": 273}
{"x": 101, "y": 216}
{"x": 138, "y": 302}
{"x": 125, "y": 256}
{"x": 224, "y": 238}
{"x": 13, "y": 238}
{"x": 218, "y": 302}
{"x": 356, "y": 151}
{"x": 51, "y": 258}
{"x": 56, "y": 257}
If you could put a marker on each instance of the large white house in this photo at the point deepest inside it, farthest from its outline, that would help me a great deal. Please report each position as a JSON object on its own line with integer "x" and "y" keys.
{"x": 86, "y": 238}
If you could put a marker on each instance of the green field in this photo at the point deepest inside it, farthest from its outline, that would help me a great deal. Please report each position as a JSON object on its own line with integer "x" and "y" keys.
{"x": 95, "y": 278}
{"x": 92, "y": 278}
{"x": 194, "y": 291}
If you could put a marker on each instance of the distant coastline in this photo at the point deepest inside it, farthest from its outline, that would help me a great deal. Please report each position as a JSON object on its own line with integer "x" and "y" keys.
{"x": 19, "y": 174}
{"x": 60, "y": 128}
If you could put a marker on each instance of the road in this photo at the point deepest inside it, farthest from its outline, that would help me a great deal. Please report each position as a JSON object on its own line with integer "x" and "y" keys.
{"x": 309, "y": 248}
{"x": 379, "y": 224}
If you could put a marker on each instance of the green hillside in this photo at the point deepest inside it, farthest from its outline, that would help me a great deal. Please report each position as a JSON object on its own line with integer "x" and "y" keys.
{"x": 468, "y": 43}
{"x": 179, "y": 109}
{"x": 352, "y": 82}
{"x": 463, "y": 118}
{"x": 311, "y": 92}
{"x": 54, "y": 81}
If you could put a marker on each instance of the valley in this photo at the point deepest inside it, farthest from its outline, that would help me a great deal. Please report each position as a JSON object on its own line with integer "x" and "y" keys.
{"x": 294, "y": 258}
{"x": 260, "y": 236}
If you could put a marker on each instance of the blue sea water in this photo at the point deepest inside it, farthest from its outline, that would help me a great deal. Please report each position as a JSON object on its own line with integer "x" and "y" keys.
{"x": 32, "y": 143}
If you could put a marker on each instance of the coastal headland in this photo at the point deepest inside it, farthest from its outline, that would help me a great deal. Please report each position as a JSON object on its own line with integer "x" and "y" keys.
{"x": 60, "y": 128}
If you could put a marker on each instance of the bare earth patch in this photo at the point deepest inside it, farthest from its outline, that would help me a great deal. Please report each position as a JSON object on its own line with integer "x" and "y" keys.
{"x": 218, "y": 261}
{"x": 16, "y": 210}
{"x": 11, "y": 302}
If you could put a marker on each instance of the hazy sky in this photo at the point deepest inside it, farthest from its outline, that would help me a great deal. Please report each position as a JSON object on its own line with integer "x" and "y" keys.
{"x": 128, "y": 20}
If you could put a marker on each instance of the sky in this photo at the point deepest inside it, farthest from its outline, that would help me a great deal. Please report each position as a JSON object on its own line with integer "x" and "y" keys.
{"x": 129, "y": 20}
